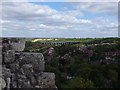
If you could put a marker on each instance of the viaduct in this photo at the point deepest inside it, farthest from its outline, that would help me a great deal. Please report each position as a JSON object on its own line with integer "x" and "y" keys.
{"x": 59, "y": 43}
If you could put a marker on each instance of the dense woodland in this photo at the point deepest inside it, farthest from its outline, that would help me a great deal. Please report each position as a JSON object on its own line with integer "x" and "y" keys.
{"x": 92, "y": 64}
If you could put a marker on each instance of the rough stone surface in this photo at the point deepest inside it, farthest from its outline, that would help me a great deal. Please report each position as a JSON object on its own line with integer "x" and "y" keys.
{"x": 9, "y": 56}
{"x": 46, "y": 80}
{"x": 13, "y": 81}
{"x": 22, "y": 69}
{"x": 2, "y": 83}
{"x": 24, "y": 83}
{"x": 0, "y": 71}
{"x": 35, "y": 59}
{"x": 32, "y": 79}
{"x": 17, "y": 44}
{"x": 14, "y": 67}
{"x": 0, "y": 51}
{"x": 6, "y": 47}
{"x": 6, "y": 73}
{"x": 27, "y": 69}
{"x": 0, "y": 59}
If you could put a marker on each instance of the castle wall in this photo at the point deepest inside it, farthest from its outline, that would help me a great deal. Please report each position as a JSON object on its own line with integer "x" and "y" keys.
{"x": 22, "y": 69}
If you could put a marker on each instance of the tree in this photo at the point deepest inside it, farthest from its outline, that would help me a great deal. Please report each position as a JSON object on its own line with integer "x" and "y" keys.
{"x": 79, "y": 82}
{"x": 113, "y": 75}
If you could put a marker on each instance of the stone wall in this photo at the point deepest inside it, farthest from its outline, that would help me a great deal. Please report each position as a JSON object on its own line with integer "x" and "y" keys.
{"x": 22, "y": 69}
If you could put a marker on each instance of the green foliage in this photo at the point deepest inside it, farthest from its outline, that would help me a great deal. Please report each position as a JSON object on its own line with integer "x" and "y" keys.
{"x": 84, "y": 72}
{"x": 79, "y": 82}
{"x": 113, "y": 75}
{"x": 79, "y": 65}
{"x": 61, "y": 50}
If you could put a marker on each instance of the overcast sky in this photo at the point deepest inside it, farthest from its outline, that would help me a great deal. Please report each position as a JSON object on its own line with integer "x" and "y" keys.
{"x": 59, "y": 19}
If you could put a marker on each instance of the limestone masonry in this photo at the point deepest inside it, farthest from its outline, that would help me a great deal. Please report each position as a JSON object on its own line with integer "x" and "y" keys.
{"x": 22, "y": 69}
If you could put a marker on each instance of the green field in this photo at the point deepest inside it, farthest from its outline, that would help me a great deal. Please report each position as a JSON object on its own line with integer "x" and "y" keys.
{"x": 73, "y": 39}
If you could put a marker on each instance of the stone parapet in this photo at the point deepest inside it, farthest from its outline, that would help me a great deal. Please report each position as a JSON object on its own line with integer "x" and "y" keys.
{"x": 22, "y": 69}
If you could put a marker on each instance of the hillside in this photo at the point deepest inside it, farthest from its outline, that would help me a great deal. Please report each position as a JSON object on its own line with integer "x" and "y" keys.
{"x": 91, "y": 64}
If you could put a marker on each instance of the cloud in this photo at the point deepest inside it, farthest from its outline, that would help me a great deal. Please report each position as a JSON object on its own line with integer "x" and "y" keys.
{"x": 41, "y": 13}
{"x": 74, "y": 13}
{"x": 15, "y": 0}
{"x": 4, "y": 21}
{"x": 61, "y": 0}
{"x": 101, "y": 22}
{"x": 25, "y": 11}
{"x": 30, "y": 20}
{"x": 109, "y": 8}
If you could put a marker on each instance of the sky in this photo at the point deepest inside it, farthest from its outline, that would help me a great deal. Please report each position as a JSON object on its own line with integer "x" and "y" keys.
{"x": 59, "y": 19}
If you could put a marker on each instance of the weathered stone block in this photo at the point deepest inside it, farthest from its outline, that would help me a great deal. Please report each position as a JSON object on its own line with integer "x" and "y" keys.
{"x": 13, "y": 81}
{"x": 27, "y": 69}
{"x": 17, "y": 44}
{"x": 21, "y": 76}
{"x": 23, "y": 82}
{"x": 46, "y": 80}
{"x": 14, "y": 66}
{"x": 6, "y": 47}
{"x": 20, "y": 69}
{"x": 6, "y": 73}
{"x": 2, "y": 84}
{"x": 35, "y": 59}
{"x": 9, "y": 56}
{"x": 14, "y": 84}
{"x": 0, "y": 59}
{"x": 0, "y": 71}
{"x": 32, "y": 79}
{"x": 0, "y": 51}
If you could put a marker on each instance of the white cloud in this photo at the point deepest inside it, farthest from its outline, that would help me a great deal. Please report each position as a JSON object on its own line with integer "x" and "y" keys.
{"x": 42, "y": 26}
{"x": 61, "y": 0}
{"x": 41, "y": 13}
{"x": 25, "y": 11}
{"x": 74, "y": 13}
{"x": 27, "y": 19}
{"x": 16, "y": 1}
{"x": 109, "y": 8}
{"x": 33, "y": 29}
{"x": 4, "y": 21}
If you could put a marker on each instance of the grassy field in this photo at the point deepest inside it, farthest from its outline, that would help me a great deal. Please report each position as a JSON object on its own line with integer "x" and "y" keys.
{"x": 81, "y": 40}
